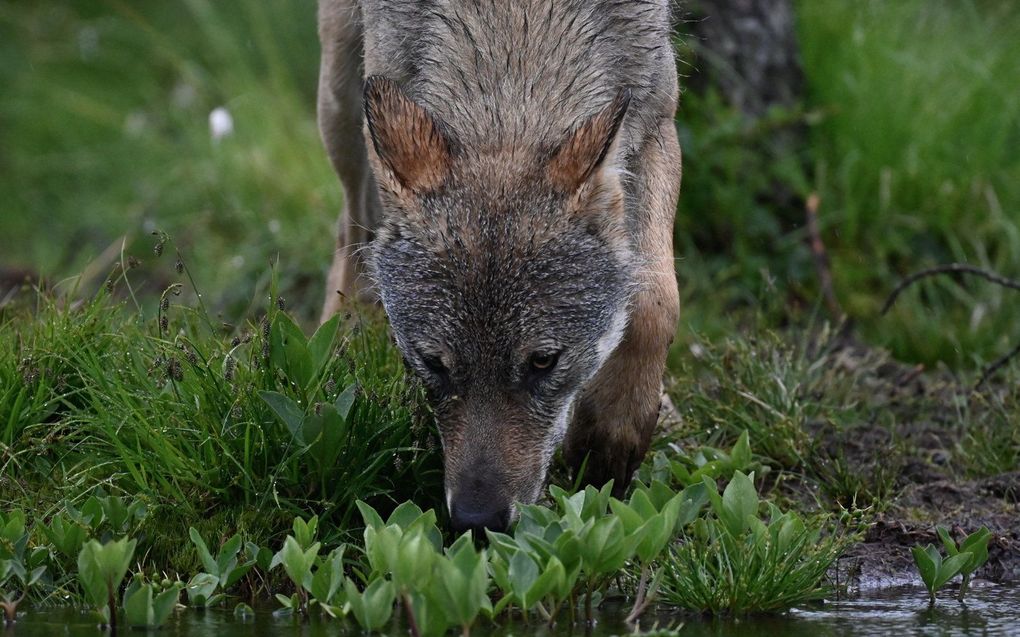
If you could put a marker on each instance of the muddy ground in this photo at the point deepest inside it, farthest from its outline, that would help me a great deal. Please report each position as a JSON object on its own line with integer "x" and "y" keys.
{"x": 916, "y": 448}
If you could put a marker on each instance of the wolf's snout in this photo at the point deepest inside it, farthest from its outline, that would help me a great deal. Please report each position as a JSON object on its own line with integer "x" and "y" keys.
{"x": 464, "y": 517}
{"x": 478, "y": 504}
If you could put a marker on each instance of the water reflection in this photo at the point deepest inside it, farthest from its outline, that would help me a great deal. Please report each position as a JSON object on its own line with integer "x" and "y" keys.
{"x": 991, "y": 610}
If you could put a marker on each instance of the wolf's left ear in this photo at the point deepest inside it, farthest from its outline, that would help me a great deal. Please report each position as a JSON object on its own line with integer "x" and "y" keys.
{"x": 586, "y": 147}
{"x": 408, "y": 140}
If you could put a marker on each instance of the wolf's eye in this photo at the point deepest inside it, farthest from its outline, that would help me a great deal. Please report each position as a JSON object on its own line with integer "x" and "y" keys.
{"x": 543, "y": 361}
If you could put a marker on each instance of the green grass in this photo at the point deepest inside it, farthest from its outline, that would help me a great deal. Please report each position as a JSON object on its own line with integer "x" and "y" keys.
{"x": 912, "y": 125}
{"x": 103, "y": 395}
{"x": 106, "y": 135}
{"x": 917, "y": 164}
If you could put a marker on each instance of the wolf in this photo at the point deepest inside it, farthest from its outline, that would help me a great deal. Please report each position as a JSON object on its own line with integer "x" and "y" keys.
{"x": 510, "y": 172}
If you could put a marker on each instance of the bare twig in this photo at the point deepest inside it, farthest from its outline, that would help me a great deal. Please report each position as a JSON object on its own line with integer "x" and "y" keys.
{"x": 951, "y": 268}
{"x": 996, "y": 366}
{"x": 821, "y": 256}
{"x": 962, "y": 268}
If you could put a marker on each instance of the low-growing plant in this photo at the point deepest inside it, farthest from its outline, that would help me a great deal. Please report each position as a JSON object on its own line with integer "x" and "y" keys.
{"x": 66, "y": 534}
{"x": 976, "y": 544}
{"x": 935, "y": 571}
{"x": 963, "y": 559}
{"x": 209, "y": 587}
{"x": 318, "y": 428}
{"x": 437, "y": 590}
{"x": 101, "y": 569}
{"x": 655, "y": 513}
{"x": 373, "y": 607}
{"x": 689, "y": 469}
{"x": 298, "y": 563}
{"x": 734, "y": 561}
{"x": 20, "y": 569}
{"x": 584, "y": 543}
{"x": 317, "y": 580}
{"x": 149, "y": 604}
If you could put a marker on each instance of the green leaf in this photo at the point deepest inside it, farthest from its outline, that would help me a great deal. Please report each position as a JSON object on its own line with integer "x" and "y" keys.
{"x": 925, "y": 566}
{"x": 655, "y": 534}
{"x": 329, "y": 576}
{"x": 345, "y": 401}
{"x": 947, "y": 541}
{"x": 951, "y": 567}
{"x": 603, "y": 548}
{"x": 243, "y": 612}
{"x": 34, "y": 576}
{"x": 381, "y": 547}
{"x": 522, "y": 574}
{"x": 101, "y": 568}
{"x": 693, "y": 500}
{"x": 65, "y": 534}
{"x": 304, "y": 531}
{"x": 235, "y": 574}
{"x": 164, "y": 603}
{"x": 429, "y": 613}
{"x": 404, "y": 515}
{"x": 208, "y": 563}
{"x": 413, "y": 566}
{"x": 138, "y": 606}
{"x": 286, "y": 602}
{"x": 463, "y": 582}
{"x": 297, "y": 562}
{"x": 373, "y": 608}
{"x": 641, "y": 503}
{"x": 92, "y": 512}
{"x": 630, "y": 518}
{"x": 549, "y": 581}
{"x": 320, "y": 346}
{"x": 740, "y": 455}
{"x": 200, "y": 589}
{"x": 369, "y": 515}
{"x": 289, "y": 413}
{"x": 739, "y": 502}
{"x": 977, "y": 545}
{"x": 288, "y": 350}
{"x": 227, "y": 558}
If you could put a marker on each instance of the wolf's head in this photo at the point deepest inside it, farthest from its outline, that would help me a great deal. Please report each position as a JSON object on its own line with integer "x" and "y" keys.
{"x": 506, "y": 274}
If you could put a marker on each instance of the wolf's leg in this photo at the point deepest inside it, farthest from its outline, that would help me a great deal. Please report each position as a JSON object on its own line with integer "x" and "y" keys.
{"x": 340, "y": 124}
{"x": 615, "y": 417}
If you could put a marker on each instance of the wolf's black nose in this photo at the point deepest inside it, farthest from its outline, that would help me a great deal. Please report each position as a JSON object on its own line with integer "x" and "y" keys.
{"x": 466, "y": 518}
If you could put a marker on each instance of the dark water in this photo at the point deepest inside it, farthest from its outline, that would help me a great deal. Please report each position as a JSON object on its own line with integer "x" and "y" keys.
{"x": 990, "y": 610}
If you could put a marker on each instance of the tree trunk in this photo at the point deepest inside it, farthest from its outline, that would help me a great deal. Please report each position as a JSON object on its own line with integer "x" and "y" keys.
{"x": 748, "y": 50}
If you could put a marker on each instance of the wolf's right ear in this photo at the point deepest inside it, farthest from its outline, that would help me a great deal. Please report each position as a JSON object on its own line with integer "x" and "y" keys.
{"x": 586, "y": 147}
{"x": 408, "y": 140}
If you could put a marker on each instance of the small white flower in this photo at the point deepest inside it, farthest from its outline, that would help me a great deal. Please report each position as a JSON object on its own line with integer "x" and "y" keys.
{"x": 274, "y": 226}
{"x": 221, "y": 123}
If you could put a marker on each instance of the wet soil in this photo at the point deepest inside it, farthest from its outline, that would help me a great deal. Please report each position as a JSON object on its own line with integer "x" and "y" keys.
{"x": 911, "y": 450}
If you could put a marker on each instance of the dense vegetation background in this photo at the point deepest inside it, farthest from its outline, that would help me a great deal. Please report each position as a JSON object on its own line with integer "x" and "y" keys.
{"x": 911, "y": 111}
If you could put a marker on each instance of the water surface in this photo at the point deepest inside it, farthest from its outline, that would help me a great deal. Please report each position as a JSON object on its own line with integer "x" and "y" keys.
{"x": 989, "y": 610}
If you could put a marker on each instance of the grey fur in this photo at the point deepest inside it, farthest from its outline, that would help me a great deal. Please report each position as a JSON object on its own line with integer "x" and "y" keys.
{"x": 496, "y": 265}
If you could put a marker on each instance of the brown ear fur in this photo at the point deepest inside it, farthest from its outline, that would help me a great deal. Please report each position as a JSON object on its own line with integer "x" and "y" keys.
{"x": 407, "y": 139}
{"x": 586, "y": 146}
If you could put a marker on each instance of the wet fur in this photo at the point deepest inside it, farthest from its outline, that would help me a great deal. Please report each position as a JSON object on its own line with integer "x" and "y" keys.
{"x": 519, "y": 189}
